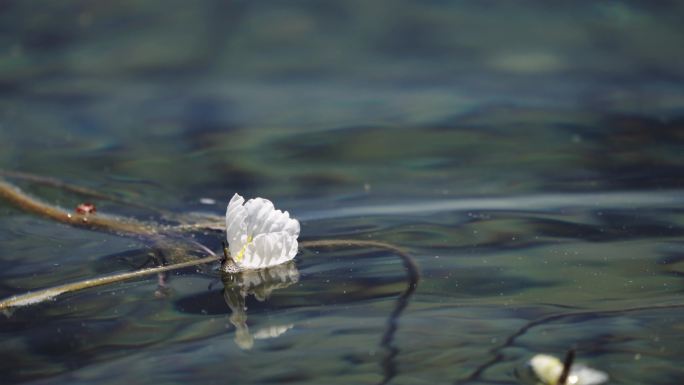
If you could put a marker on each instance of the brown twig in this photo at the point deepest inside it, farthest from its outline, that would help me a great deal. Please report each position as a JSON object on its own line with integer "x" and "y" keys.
{"x": 186, "y": 222}
{"x": 47, "y": 294}
{"x": 60, "y": 184}
{"x": 80, "y": 190}
{"x": 101, "y": 222}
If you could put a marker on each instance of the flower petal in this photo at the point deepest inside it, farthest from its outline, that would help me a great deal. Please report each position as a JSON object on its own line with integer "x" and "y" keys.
{"x": 263, "y": 218}
{"x": 236, "y": 225}
{"x": 270, "y": 249}
{"x": 585, "y": 375}
{"x": 547, "y": 368}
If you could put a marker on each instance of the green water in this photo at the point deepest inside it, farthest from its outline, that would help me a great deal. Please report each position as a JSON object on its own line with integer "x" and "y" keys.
{"x": 529, "y": 157}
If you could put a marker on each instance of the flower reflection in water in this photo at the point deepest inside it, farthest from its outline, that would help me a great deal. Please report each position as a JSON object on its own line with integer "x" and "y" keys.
{"x": 259, "y": 283}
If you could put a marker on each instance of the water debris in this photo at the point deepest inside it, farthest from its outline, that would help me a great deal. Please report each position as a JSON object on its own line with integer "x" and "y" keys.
{"x": 86, "y": 208}
{"x": 272, "y": 331}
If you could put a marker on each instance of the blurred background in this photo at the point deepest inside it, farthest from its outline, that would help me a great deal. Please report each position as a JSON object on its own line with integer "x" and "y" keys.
{"x": 310, "y": 99}
{"x": 352, "y": 115}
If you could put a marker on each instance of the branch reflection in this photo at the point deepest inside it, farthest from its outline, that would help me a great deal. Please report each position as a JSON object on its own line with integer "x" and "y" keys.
{"x": 259, "y": 283}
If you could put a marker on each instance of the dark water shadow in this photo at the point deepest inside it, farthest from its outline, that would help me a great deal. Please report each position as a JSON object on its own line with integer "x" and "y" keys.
{"x": 210, "y": 303}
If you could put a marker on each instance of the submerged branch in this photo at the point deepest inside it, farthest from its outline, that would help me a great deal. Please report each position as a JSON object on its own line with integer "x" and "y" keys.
{"x": 409, "y": 262}
{"x": 413, "y": 276}
{"x": 160, "y": 237}
{"x": 510, "y": 340}
{"x": 50, "y": 293}
{"x": 47, "y": 294}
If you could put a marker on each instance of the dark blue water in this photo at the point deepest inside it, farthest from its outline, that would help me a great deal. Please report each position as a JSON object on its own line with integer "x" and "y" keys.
{"x": 528, "y": 157}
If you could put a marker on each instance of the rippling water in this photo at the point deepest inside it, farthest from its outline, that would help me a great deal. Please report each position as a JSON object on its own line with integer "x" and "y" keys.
{"x": 528, "y": 158}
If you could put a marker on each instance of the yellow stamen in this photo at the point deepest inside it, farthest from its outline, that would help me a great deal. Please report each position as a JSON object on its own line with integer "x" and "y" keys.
{"x": 241, "y": 254}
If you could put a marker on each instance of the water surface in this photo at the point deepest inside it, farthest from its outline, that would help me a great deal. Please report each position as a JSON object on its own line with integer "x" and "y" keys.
{"x": 528, "y": 158}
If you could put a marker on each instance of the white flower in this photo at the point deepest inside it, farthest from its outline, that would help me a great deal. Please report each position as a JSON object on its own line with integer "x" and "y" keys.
{"x": 548, "y": 370}
{"x": 258, "y": 235}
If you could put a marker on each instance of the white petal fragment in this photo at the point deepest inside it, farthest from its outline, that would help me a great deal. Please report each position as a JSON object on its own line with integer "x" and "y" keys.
{"x": 546, "y": 368}
{"x": 584, "y": 375}
{"x": 549, "y": 368}
{"x": 272, "y": 331}
{"x": 258, "y": 235}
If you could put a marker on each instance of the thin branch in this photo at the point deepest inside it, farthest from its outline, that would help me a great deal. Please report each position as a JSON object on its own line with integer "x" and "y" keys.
{"x": 187, "y": 222}
{"x": 47, "y": 294}
{"x": 192, "y": 222}
{"x": 111, "y": 223}
{"x": 567, "y": 364}
{"x": 153, "y": 233}
{"x": 50, "y": 293}
{"x": 342, "y": 243}
{"x": 80, "y": 190}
